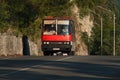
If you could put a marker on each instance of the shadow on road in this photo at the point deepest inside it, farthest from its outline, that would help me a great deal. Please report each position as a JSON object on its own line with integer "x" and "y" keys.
{"x": 59, "y": 70}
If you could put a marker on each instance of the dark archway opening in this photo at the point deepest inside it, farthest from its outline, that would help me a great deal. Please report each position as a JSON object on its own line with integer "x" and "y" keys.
{"x": 26, "y": 47}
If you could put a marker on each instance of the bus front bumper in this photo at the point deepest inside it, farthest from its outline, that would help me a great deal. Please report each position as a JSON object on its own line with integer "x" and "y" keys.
{"x": 62, "y": 48}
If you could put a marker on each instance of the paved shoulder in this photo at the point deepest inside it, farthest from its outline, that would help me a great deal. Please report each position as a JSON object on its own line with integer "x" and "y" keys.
{"x": 60, "y": 68}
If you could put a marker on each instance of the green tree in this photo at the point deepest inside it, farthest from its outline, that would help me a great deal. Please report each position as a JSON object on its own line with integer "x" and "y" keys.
{"x": 107, "y": 48}
{"x": 25, "y": 16}
{"x": 4, "y": 16}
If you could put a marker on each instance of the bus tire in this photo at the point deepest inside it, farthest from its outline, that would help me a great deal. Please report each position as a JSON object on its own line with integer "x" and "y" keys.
{"x": 46, "y": 53}
{"x": 71, "y": 53}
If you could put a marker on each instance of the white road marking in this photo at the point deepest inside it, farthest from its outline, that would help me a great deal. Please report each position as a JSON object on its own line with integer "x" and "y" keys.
{"x": 64, "y": 58}
{"x": 27, "y": 68}
{"x": 23, "y": 69}
{"x": 7, "y": 58}
{"x": 4, "y": 58}
{"x": 65, "y": 54}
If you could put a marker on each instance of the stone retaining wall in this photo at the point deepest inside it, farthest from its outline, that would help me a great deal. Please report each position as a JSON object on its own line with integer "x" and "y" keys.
{"x": 11, "y": 45}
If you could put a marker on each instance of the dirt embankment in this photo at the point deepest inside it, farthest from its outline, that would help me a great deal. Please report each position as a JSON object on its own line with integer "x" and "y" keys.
{"x": 81, "y": 25}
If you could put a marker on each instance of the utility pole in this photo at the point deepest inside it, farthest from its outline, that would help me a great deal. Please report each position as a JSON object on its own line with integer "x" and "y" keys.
{"x": 114, "y": 51}
{"x": 101, "y": 35}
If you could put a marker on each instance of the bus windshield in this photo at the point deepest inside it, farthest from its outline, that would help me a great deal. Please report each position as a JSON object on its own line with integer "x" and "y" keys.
{"x": 56, "y": 27}
{"x": 49, "y": 29}
{"x": 63, "y": 30}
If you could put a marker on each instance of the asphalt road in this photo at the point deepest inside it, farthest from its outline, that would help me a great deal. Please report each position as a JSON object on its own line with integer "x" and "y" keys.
{"x": 60, "y": 68}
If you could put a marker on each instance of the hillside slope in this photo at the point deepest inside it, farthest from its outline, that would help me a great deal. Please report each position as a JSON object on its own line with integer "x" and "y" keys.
{"x": 23, "y": 17}
{"x": 82, "y": 25}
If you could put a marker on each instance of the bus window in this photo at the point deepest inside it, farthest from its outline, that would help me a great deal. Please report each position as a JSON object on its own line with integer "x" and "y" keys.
{"x": 63, "y": 30}
{"x": 49, "y": 29}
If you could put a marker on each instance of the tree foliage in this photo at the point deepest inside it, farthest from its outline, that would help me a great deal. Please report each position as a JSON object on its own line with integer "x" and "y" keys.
{"x": 93, "y": 7}
{"x": 24, "y": 17}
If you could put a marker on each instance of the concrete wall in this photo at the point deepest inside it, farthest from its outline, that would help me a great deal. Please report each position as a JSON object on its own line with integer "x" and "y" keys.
{"x": 33, "y": 48}
{"x": 11, "y": 45}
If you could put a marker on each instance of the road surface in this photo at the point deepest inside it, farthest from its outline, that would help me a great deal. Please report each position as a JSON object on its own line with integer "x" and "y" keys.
{"x": 60, "y": 68}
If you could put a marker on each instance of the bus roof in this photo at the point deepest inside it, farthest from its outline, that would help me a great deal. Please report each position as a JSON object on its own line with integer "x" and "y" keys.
{"x": 59, "y": 18}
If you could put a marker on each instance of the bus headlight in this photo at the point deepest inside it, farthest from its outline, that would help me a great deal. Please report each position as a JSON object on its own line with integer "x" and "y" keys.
{"x": 47, "y": 42}
{"x": 66, "y": 42}
{"x": 44, "y": 42}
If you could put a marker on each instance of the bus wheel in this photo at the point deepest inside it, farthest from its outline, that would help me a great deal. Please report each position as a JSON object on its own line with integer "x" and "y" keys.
{"x": 46, "y": 54}
{"x": 71, "y": 53}
{"x": 51, "y": 54}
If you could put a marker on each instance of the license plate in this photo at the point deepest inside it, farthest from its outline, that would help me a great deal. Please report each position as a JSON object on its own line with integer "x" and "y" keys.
{"x": 56, "y": 48}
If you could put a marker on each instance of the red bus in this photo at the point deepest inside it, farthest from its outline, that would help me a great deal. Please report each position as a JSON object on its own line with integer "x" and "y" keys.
{"x": 58, "y": 36}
